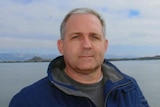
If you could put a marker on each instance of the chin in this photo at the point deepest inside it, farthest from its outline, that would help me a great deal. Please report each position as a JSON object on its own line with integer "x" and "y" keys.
{"x": 88, "y": 68}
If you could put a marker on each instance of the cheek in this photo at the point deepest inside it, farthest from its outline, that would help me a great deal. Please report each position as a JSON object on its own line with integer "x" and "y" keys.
{"x": 71, "y": 50}
{"x": 100, "y": 53}
{"x": 102, "y": 48}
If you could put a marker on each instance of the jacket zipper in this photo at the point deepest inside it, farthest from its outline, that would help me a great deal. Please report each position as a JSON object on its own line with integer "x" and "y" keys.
{"x": 113, "y": 89}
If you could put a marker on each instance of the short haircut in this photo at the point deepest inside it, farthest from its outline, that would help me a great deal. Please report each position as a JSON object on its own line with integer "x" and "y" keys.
{"x": 82, "y": 11}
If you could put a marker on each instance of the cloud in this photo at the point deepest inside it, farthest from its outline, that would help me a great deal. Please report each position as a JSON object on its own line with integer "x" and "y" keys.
{"x": 27, "y": 19}
{"x": 129, "y": 22}
{"x": 9, "y": 42}
{"x": 23, "y": 1}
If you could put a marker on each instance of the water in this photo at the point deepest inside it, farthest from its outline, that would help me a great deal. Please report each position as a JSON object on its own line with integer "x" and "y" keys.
{"x": 15, "y": 76}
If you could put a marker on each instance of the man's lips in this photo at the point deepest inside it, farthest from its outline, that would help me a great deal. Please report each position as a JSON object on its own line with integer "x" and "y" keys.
{"x": 88, "y": 56}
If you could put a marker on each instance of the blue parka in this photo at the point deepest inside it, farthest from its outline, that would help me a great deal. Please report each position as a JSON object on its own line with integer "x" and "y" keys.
{"x": 54, "y": 90}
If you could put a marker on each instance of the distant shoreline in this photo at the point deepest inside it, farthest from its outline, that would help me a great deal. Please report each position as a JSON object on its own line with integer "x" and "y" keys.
{"x": 39, "y": 59}
{"x": 139, "y": 58}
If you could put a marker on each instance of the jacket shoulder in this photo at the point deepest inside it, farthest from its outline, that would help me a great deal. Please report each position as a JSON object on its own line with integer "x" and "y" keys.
{"x": 27, "y": 94}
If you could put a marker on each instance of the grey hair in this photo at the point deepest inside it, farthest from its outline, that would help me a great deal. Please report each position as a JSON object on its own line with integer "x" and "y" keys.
{"x": 81, "y": 11}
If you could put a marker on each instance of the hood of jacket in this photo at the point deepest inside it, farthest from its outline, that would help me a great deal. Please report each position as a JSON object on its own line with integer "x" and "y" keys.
{"x": 56, "y": 76}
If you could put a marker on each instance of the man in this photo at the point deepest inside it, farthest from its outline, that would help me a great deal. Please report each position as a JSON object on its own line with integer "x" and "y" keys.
{"x": 82, "y": 77}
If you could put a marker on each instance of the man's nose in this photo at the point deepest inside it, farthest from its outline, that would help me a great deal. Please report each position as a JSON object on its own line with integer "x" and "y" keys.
{"x": 86, "y": 43}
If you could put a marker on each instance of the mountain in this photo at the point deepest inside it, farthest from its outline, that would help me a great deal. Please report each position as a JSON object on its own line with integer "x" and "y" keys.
{"x": 22, "y": 56}
{"x": 28, "y": 56}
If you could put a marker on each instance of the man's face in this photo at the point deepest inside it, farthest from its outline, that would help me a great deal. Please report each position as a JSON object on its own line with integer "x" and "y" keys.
{"x": 84, "y": 44}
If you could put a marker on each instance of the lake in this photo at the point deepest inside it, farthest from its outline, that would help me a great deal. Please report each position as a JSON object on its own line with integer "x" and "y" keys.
{"x": 15, "y": 76}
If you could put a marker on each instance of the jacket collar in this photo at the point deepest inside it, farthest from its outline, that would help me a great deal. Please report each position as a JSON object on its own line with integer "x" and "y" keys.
{"x": 112, "y": 76}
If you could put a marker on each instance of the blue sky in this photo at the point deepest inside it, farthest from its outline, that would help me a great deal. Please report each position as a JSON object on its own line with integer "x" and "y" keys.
{"x": 32, "y": 26}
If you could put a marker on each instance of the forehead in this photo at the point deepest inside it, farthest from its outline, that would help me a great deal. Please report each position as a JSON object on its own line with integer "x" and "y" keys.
{"x": 85, "y": 22}
{"x": 83, "y": 17}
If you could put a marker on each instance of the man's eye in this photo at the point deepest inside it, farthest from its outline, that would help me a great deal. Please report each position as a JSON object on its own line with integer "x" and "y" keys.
{"x": 76, "y": 36}
{"x": 95, "y": 37}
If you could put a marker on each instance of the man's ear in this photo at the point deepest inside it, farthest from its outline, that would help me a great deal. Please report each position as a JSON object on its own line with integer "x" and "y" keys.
{"x": 60, "y": 46}
{"x": 106, "y": 44}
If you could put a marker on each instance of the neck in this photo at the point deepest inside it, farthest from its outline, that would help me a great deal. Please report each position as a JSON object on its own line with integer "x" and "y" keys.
{"x": 89, "y": 78}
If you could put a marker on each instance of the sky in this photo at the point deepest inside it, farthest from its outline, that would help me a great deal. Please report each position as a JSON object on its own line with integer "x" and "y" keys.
{"x": 32, "y": 26}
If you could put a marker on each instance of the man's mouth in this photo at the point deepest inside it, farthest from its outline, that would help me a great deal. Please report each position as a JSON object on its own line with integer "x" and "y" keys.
{"x": 86, "y": 56}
